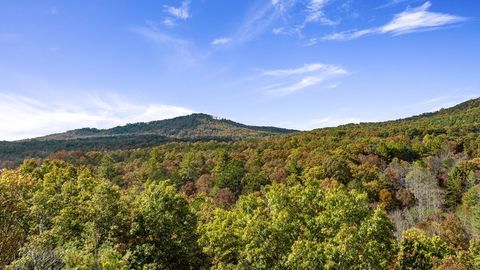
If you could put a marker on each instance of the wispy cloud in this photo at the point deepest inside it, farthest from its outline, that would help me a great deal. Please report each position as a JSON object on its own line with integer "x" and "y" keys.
{"x": 23, "y": 117}
{"x": 288, "y": 81}
{"x": 328, "y": 121}
{"x": 260, "y": 18}
{"x": 304, "y": 12}
{"x": 169, "y": 22}
{"x": 281, "y": 17}
{"x": 316, "y": 14}
{"x": 436, "y": 103}
{"x": 391, "y": 3}
{"x": 408, "y": 21}
{"x": 181, "y": 12}
{"x": 221, "y": 41}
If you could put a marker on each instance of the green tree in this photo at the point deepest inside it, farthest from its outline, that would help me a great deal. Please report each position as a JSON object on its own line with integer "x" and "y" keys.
{"x": 163, "y": 232}
{"x": 106, "y": 168}
{"x": 337, "y": 167}
{"x": 155, "y": 169}
{"x": 299, "y": 227}
{"x": 15, "y": 191}
{"x": 191, "y": 166}
{"x": 231, "y": 176}
{"x": 419, "y": 252}
{"x": 454, "y": 188}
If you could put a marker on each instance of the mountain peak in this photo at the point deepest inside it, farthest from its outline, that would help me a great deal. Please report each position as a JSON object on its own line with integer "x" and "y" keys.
{"x": 193, "y": 126}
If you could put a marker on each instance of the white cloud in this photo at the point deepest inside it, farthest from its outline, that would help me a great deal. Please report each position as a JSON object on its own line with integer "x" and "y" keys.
{"x": 418, "y": 19}
{"x": 316, "y": 14}
{"x": 329, "y": 121}
{"x": 345, "y": 35}
{"x": 261, "y": 17}
{"x": 221, "y": 41}
{"x": 181, "y": 12}
{"x": 307, "y": 68}
{"x": 278, "y": 17}
{"x": 22, "y": 117}
{"x": 288, "y": 81}
{"x": 438, "y": 103}
{"x": 408, "y": 21}
{"x": 169, "y": 22}
{"x": 288, "y": 31}
{"x": 391, "y": 3}
{"x": 278, "y": 30}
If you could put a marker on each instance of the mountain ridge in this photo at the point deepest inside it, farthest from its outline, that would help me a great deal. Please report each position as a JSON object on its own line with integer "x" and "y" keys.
{"x": 463, "y": 118}
{"x": 195, "y": 125}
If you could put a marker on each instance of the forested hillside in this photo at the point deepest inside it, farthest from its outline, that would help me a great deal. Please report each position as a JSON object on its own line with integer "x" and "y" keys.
{"x": 401, "y": 194}
{"x": 194, "y": 127}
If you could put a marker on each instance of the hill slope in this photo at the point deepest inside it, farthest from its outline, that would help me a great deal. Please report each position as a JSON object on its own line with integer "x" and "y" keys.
{"x": 463, "y": 118}
{"x": 192, "y": 126}
{"x": 195, "y": 127}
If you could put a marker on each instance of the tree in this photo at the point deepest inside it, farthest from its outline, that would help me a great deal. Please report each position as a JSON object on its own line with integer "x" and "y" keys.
{"x": 155, "y": 169}
{"x": 231, "y": 176}
{"x": 385, "y": 198}
{"x": 71, "y": 210}
{"x": 163, "y": 231}
{"x": 253, "y": 181}
{"x": 15, "y": 191}
{"x": 418, "y": 251}
{"x": 471, "y": 206}
{"x": 224, "y": 198}
{"x": 405, "y": 197}
{"x": 299, "y": 227}
{"x": 337, "y": 167}
{"x": 191, "y": 166}
{"x": 453, "y": 233}
{"x": 424, "y": 186}
{"x": 204, "y": 183}
{"x": 106, "y": 168}
{"x": 454, "y": 188}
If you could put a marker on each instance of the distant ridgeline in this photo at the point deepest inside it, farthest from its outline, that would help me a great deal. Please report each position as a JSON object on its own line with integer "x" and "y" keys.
{"x": 461, "y": 119}
{"x": 191, "y": 128}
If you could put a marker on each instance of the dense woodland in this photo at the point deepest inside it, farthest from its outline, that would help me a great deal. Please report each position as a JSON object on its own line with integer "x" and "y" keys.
{"x": 401, "y": 194}
{"x": 190, "y": 128}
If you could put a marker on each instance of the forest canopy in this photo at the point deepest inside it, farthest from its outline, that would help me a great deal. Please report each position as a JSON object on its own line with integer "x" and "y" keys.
{"x": 401, "y": 194}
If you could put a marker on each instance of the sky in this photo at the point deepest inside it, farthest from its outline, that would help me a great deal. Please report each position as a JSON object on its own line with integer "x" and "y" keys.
{"x": 301, "y": 64}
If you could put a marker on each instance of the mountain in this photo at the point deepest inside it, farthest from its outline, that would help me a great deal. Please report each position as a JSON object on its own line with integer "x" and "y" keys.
{"x": 463, "y": 118}
{"x": 194, "y": 127}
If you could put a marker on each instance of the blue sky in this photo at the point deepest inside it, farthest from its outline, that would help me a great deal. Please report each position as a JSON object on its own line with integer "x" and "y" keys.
{"x": 300, "y": 64}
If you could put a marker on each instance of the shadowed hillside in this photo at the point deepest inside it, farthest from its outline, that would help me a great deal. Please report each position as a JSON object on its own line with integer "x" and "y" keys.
{"x": 195, "y": 127}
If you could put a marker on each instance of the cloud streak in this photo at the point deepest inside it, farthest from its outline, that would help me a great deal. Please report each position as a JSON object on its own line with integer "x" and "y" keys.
{"x": 409, "y": 21}
{"x": 288, "y": 81}
{"x": 328, "y": 121}
{"x": 23, "y": 117}
{"x": 315, "y": 13}
{"x": 437, "y": 103}
{"x": 221, "y": 41}
{"x": 181, "y": 12}
{"x": 278, "y": 17}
